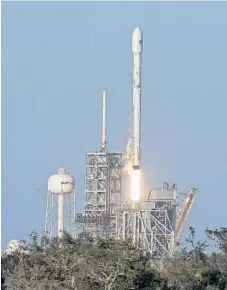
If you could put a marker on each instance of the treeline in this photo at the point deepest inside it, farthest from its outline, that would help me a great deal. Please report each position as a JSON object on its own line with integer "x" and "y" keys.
{"x": 116, "y": 265}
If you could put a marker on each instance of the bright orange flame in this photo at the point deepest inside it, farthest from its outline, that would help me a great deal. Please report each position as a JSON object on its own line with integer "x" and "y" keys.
{"x": 135, "y": 185}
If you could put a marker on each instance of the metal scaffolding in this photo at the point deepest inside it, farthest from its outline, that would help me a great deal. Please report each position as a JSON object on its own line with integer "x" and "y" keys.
{"x": 102, "y": 194}
{"x": 183, "y": 212}
{"x": 151, "y": 223}
{"x": 52, "y": 214}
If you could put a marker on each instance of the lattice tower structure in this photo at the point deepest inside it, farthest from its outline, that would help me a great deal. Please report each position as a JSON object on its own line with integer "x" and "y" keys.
{"x": 102, "y": 194}
{"x": 151, "y": 223}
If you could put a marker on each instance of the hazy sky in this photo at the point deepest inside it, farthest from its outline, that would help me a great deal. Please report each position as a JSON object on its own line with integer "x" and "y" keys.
{"x": 57, "y": 58}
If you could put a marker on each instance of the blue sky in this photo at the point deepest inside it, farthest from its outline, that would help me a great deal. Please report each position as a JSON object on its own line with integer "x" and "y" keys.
{"x": 57, "y": 58}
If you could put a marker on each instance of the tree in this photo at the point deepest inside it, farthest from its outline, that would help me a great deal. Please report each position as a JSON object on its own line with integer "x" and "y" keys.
{"x": 79, "y": 264}
{"x": 85, "y": 264}
{"x": 191, "y": 267}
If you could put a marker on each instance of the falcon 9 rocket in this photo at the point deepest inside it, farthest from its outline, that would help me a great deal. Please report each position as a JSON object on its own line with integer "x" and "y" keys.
{"x": 137, "y": 49}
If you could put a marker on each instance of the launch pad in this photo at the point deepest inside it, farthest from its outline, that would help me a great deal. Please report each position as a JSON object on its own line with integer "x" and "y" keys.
{"x": 153, "y": 222}
{"x": 150, "y": 220}
{"x": 115, "y": 206}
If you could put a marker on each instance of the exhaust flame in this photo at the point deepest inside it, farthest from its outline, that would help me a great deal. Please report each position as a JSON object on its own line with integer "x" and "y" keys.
{"x": 135, "y": 185}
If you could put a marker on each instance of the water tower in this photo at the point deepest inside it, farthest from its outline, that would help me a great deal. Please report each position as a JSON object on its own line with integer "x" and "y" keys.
{"x": 60, "y": 204}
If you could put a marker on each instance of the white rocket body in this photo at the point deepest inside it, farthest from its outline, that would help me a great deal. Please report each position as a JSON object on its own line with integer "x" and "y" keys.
{"x": 137, "y": 49}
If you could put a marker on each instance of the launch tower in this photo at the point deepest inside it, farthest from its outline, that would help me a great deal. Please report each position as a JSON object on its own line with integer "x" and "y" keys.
{"x": 102, "y": 188}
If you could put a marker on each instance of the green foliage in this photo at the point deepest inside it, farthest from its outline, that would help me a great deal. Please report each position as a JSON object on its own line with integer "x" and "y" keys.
{"x": 220, "y": 236}
{"x": 112, "y": 265}
{"x": 79, "y": 264}
{"x": 192, "y": 268}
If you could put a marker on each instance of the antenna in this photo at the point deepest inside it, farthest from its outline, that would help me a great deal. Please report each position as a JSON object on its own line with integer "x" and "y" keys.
{"x": 104, "y": 120}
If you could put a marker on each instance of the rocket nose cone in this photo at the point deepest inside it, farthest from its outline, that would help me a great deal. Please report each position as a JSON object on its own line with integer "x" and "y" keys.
{"x": 137, "y": 41}
{"x": 137, "y": 32}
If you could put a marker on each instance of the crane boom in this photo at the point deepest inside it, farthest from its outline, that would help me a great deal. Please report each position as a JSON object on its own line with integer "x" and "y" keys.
{"x": 183, "y": 212}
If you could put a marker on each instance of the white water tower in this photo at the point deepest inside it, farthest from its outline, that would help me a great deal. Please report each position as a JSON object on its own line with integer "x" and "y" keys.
{"x": 60, "y": 204}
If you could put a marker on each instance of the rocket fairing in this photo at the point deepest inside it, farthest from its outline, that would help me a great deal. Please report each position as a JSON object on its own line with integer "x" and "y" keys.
{"x": 137, "y": 49}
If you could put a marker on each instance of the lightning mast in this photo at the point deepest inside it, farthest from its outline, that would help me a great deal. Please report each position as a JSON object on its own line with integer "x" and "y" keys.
{"x": 104, "y": 121}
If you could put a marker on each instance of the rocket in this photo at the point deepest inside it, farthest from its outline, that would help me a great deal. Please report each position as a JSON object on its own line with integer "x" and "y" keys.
{"x": 137, "y": 49}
